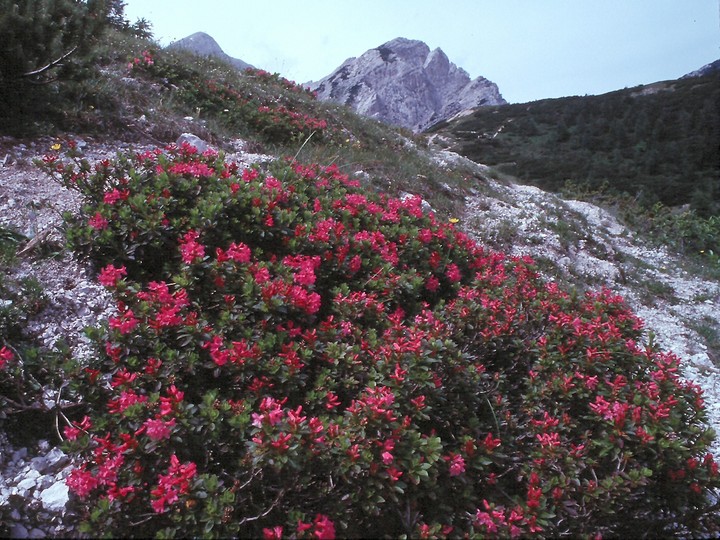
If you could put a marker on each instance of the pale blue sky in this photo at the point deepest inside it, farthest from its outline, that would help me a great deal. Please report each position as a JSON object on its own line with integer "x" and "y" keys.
{"x": 532, "y": 49}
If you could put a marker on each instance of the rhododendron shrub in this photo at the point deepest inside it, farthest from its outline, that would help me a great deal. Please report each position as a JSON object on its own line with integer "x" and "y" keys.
{"x": 293, "y": 356}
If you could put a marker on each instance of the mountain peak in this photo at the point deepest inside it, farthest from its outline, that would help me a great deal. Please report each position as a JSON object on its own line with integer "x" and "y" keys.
{"x": 205, "y": 45}
{"x": 403, "y": 82}
{"x": 200, "y": 40}
{"x": 403, "y": 48}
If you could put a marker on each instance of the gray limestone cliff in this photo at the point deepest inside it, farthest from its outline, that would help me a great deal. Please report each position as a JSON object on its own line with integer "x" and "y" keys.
{"x": 404, "y": 83}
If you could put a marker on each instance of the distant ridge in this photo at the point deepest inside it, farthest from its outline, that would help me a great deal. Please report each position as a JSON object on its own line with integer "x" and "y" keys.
{"x": 204, "y": 45}
{"x": 707, "y": 69}
{"x": 403, "y": 83}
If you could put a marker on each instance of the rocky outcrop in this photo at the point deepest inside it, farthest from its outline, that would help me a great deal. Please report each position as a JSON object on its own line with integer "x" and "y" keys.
{"x": 204, "y": 45}
{"x": 404, "y": 83}
{"x": 707, "y": 69}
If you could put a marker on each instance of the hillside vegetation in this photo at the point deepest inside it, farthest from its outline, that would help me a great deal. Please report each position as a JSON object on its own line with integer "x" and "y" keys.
{"x": 304, "y": 348}
{"x": 658, "y": 142}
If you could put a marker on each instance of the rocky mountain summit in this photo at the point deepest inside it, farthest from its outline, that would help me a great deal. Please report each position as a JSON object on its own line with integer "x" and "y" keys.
{"x": 403, "y": 82}
{"x": 204, "y": 45}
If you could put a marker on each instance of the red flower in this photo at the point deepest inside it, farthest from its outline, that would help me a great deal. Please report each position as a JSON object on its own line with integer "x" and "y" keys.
{"x": 239, "y": 252}
{"x": 281, "y": 442}
{"x": 153, "y": 366}
{"x": 490, "y": 443}
{"x": 324, "y": 528}
{"x": 332, "y": 401}
{"x": 453, "y": 273}
{"x": 110, "y": 275}
{"x": 157, "y": 430}
{"x": 173, "y": 484}
{"x": 195, "y": 169}
{"x": 273, "y": 534}
{"x": 548, "y": 439}
{"x": 425, "y": 236}
{"x": 81, "y": 482}
{"x": 394, "y": 473}
{"x": 73, "y": 432}
{"x": 190, "y": 249}
{"x": 457, "y": 465}
{"x": 533, "y": 497}
{"x": 6, "y": 356}
{"x": 125, "y": 400}
{"x": 261, "y": 275}
{"x": 432, "y": 284}
{"x": 399, "y": 374}
{"x": 485, "y": 520}
{"x": 116, "y": 195}
{"x": 125, "y": 322}
{"x": 98, "y": 222}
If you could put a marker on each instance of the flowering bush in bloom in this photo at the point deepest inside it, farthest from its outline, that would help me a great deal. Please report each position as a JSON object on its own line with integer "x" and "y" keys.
{"x": 146, "y": 61}
{"x": 293, "y": 357}
{"x": 271, "y": 79}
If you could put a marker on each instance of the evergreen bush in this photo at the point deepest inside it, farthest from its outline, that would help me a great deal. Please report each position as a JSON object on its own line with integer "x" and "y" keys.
{"x": 292, "y": 356}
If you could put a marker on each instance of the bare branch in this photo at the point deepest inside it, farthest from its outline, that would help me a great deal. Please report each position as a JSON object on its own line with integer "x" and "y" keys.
{"x": 50, "y": 65}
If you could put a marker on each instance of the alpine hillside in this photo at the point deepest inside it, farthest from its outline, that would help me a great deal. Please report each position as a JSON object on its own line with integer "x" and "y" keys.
{"x": 230, "y": 309}
{"x": 658, "y": 143}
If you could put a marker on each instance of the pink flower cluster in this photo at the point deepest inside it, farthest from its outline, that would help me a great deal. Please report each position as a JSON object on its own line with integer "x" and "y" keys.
{"x": 146, "y": 60}
{"x": 6, "y": 355}
{"x": 321, "y": 528}
{"x": 173, "y": 484}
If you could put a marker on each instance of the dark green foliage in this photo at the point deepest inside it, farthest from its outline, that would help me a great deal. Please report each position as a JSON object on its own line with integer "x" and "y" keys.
{"x": 658, "y": 143}
{"x": 44, "y": 42}
{"x": 39, "y": 34}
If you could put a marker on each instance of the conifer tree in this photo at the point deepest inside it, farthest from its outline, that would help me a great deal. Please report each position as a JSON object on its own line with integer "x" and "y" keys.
{"x": 40, "y": 36}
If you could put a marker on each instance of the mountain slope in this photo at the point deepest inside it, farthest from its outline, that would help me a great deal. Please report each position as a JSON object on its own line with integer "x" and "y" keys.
{"x": 659, "y": 142}
{"x": 260, "y": 299}
{"x": 403, "y": 83}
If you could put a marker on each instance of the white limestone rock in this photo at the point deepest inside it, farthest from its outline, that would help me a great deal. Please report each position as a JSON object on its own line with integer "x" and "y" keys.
{"x": 55, "y": 497}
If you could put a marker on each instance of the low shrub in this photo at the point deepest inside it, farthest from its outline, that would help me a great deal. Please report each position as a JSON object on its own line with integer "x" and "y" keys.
{"x": 293, "y": 356}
